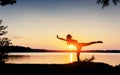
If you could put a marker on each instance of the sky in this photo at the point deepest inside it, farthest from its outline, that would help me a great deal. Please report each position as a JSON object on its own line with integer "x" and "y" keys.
{"x": 35, "y": 23}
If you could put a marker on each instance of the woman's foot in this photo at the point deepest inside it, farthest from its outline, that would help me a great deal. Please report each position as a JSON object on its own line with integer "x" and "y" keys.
{"x": 99, "y": 42}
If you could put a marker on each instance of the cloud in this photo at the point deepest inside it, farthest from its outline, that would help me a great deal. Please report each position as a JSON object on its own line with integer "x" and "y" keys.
{"x": 18, "y": 37}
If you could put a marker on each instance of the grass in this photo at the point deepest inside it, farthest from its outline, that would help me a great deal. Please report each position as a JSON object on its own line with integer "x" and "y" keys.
{"x": 91, "y": 59}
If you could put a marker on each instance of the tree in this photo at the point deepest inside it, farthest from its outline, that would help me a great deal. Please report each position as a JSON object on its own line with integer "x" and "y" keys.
{"x": 2, "y": 29}
{"x": 105, "y": 3}
{"x": 6, "y": 2}
{"x": 3, "y": 43}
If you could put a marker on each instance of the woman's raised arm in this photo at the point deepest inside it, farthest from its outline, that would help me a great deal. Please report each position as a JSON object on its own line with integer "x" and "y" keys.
{"x": 61, "y": 38}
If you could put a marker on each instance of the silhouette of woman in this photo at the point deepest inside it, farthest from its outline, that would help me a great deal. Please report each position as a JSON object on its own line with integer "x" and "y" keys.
{"x": 79, "y": 46}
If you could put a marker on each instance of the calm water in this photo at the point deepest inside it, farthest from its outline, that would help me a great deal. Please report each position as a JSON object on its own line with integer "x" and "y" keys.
{"x": 61, "y": 58}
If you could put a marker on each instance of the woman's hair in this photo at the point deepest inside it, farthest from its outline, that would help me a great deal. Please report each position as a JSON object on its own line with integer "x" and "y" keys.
{"x": 69, "y": 36}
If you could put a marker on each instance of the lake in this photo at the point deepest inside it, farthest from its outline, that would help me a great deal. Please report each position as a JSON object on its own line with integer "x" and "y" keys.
{"x": 61, "y": 58}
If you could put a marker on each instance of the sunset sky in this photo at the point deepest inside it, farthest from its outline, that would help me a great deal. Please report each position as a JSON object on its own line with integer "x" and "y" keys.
{"x": 35, "y": 23}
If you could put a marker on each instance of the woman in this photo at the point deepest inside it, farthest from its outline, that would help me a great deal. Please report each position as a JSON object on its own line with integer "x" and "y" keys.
{"x": 70, "y": 41}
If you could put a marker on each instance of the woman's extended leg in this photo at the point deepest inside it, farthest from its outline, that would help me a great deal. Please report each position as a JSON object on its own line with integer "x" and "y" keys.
{"x": 90, "y": 43}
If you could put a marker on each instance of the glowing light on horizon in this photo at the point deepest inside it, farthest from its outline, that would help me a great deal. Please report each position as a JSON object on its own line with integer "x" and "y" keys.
{"x": 72, "y": 47}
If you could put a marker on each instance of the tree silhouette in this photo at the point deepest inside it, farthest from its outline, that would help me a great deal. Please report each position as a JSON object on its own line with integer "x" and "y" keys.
{"x": 4, "y": 41}
{"x": 6, "y": 2}
{"x": 2, "y": 29}
{"x": 105, "y": 3}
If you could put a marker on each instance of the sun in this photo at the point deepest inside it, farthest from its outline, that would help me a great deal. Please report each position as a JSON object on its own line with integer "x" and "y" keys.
{"x": 72, "y": 47}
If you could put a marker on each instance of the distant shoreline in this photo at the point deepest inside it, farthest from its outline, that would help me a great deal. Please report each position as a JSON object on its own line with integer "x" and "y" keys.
{"x": 61, "y": 52}
{"x": 28, "y": 49}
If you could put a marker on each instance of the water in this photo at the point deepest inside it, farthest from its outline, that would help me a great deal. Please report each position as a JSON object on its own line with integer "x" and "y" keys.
{"x": 61, "y": 58}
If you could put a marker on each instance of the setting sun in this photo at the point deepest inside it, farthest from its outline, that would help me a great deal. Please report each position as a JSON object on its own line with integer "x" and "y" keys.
{"x": 71, "y": 47}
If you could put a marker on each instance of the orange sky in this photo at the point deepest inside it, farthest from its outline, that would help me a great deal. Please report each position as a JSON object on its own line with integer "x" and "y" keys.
{"x": 36, "y": 24}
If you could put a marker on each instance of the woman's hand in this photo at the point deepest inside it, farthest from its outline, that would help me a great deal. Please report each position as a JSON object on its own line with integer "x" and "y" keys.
{"x": 57, "y": 36}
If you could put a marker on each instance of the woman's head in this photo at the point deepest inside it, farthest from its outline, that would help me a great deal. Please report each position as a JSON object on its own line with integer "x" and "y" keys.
{"x": 69, "y": 36}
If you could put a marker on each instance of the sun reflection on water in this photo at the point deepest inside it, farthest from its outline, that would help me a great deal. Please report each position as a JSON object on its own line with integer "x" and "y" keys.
{"x": 71, "y": 57}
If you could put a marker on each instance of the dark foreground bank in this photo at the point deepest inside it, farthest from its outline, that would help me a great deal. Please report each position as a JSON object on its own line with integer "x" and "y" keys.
{"x": 81, "y": 68}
